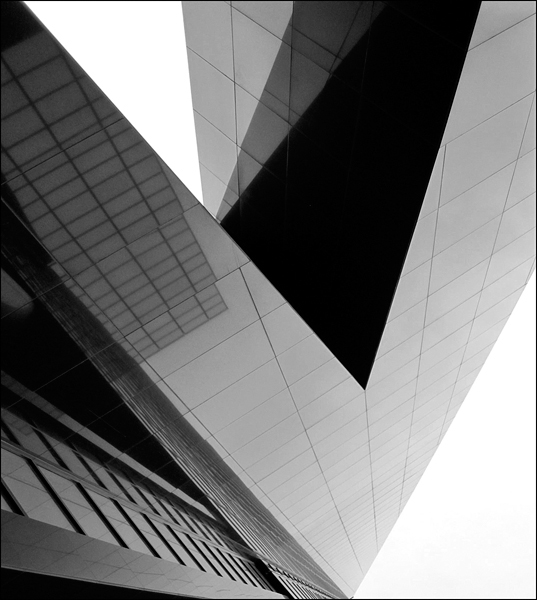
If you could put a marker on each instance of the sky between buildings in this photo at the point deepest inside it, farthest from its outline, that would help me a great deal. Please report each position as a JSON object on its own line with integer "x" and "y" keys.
{"x": 468, "y": 531}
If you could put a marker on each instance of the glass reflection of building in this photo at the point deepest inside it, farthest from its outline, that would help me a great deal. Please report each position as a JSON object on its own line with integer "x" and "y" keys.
{"x": 170, "y": 423}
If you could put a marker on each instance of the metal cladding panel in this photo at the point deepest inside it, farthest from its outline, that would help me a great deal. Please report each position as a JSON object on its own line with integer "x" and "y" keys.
{"x": 286, "y": 202}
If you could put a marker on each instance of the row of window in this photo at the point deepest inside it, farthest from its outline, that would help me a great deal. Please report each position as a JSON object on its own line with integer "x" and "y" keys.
{"x": 204, "y": 540}
{"x": 297, "y": 588}
{"x": 62, "y": 484}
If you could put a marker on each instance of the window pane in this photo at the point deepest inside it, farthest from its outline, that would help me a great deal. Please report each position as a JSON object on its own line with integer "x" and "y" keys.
{"x": 193, "y": 550}
{"x": 240, "y": 565}
{"x": 179, "y": 549}
{"x": 26, "y": 436}
{"x": 251, "y": 568}
{"x": 149, "y": 498}
{"x": 150, "y": 535}
{"x": 69, "y": 458}
{"x": 180, "y": 517}
{"x": 204, "y": 557}
{"x": 104, "y": 476}
{"x": 79, "y": 507}
{"x": 30, "y": 493}
{"x": 119, "y": 523}
{"x": 215, "y": 555}
{"x": 132, "y": 491}
{"x": 172, "y": 512}
{"x": 232, "y": 565}
{"x": 193, "y": 524}
{"x": 205, "y": 531}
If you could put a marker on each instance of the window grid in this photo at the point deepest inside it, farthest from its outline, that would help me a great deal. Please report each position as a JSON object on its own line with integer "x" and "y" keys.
{"x": 103, "y": 504}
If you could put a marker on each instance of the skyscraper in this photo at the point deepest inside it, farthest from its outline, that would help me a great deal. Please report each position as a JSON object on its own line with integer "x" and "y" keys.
{"x": 216, "y": 419}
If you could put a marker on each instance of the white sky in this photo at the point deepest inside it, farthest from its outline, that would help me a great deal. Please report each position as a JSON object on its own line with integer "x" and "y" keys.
{"x": 468, "y": 531}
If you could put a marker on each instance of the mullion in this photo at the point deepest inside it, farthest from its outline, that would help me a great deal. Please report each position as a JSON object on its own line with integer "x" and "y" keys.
{"x": 185, "y": 547}
{"x": 86, "y": 496}
{"x": 55, "y": 497}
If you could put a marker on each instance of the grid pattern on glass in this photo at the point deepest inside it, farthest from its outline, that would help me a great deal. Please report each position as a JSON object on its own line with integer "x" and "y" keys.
{"x": 108, "y": 506}
{"x": 106, "y": 190}
{"x": 142, "y": 268}
{"x": 51, "y": 102}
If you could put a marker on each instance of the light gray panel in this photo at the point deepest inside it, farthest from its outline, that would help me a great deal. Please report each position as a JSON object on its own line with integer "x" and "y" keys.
{"x": 421, "y": 246}
{"x": 390, "y": 419}
{"x": 482, "y": 151}
{"x": 260, "y": 130}
{"x": 222, "y": 366}
{"x": 402, "y": 328}
{"x": 218, "y": 151}
{"x": 475, "y": 362}
{"x": 496, "y": 313}
{"x": 495, "y": 17}
{"x": 269, "y": 441}
{"x": 427, "y": 378}
{"x": 347, "y": 413}
{"x": 265, "y": 296}
{"x": 342, "y": 435}
{"x": 303, "y": 358}
{"x": 339, "y": 396}
{"x": 462, "y": 256}
{"x": 411, "y": 289}
{"x": 395, "y": 359}
{"x": 280, "y": 457}
{"x": 478, "y": 342}
{"x": 402, "y": 395}
{"x": 318, "y": 382}
{"x": 516, "y": 221}
{"x": 432, "y": 196}
{"x": 474, "y": 208}
{"x": 208, "y": 33}
{"x": 285, "y": 328}
{"x": 523, "y": 183}
{"x": 353, "y": 445}
{"x": 241, "y": 397}
{"x": 455, "y": 293}
{"x": 218, "y": 106}
{"x": 504, "y": 286}
{"x": 273, "y": 16}
{"x": 511, "y": 256}
{"x": 392, "y": 383}
{"x": 256, "y": 422}
{"x": 287, "y": 471}
{"x": 483, "y": 92}
{"x": 445, "y": 347}
{"x": 528, "y": 143}
{"x": 256, "y": 53}
{"x": 295, "y": 483}
{"x": 450, "y": 322}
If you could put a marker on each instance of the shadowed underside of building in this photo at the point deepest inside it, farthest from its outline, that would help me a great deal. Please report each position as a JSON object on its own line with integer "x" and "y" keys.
{"x": 236, "y": 400}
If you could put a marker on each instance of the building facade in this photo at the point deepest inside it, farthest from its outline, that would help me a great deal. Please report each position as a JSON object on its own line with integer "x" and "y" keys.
{"x": 240, "y": 405}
